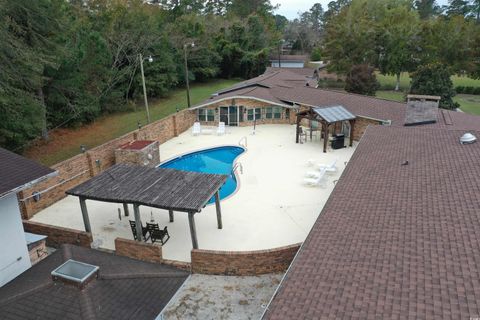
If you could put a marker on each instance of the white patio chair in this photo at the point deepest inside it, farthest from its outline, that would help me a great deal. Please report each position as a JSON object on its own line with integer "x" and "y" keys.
{"x": 221, "y": 128}
{"x": 328, "y": 168}
{"x": 316, "y": 181}
{"x": 196, "y": 129}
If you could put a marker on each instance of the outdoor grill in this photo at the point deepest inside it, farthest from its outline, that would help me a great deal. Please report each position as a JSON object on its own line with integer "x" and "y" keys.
{"x": 338, "y": 141}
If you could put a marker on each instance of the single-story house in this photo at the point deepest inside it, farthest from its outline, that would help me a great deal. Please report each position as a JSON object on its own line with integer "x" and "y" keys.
{"x": 16, "y": 173}
{"x": 288, "y": 61}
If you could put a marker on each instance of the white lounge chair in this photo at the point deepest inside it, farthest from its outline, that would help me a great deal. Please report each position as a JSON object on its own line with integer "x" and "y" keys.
{"x": 221, "y": 128}
{"x": 196, "y": 129}
{"x": 316, "y": 181}
{"x": 328, "y": 168}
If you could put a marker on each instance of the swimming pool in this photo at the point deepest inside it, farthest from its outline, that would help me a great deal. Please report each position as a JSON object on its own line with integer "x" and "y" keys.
{"x": 217, "y": 160}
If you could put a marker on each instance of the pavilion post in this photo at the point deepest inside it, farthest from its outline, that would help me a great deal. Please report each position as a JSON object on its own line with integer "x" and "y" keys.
{"x": 86, "y": 220}
{"x": 352, "y": 126}
{"x": 125, "y": 209}
{"x": 193, "y": 231}
{"x": 219, "y": 211}
{"x": 170, "y": 214}
{"x": 299, "y": 119}
{"x": 138, "y": 222}
{"x": 325, "y": 137}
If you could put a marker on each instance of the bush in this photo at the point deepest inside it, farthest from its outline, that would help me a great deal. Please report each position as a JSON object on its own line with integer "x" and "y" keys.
{"x": 434, "y": 79}
{"x": 316, "y": 54}
{"x": 467, "y": 90}
{"x": 362, "y": 80}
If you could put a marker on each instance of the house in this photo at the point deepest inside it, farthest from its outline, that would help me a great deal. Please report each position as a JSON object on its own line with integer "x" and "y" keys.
{"x": 16, "y": 173}
{"x": 288, "y": 61}
{"x": 81, "y": 283}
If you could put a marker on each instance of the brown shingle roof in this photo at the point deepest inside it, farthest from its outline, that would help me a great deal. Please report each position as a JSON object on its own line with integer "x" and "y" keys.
{"x": 17, "y": 171}
{"x": 125, "y": 289}
{"x": 394, "y": 241}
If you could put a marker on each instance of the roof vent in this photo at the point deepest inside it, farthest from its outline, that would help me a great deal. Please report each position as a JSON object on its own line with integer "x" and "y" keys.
{"x": 468, "y": 138}
{"x": 75, "y": 273}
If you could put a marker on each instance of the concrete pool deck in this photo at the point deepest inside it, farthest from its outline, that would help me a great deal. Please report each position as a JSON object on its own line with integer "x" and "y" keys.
{"x": 271, "y": 207}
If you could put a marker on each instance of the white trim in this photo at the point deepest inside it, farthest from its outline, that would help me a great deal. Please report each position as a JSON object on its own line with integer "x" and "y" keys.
{"x": 31, "y": 183}
{"x": 242, "y": 97}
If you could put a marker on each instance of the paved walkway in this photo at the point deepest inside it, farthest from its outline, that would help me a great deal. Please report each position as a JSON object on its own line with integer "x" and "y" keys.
{"x": 222, "y": 297}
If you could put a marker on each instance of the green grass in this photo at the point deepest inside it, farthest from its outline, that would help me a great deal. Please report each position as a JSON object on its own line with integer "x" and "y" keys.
{"x": 65, "y": 143}
{"x": 468, "y": 103}
{"x": 391, "y": 95}
{"x": 388, "y": 82}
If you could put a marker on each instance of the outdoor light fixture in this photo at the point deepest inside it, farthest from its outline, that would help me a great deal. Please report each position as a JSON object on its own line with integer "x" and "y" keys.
{"x": 83, "y": 148}
{"x": 178, "y": 109}
{"x": 98, "y": 162}
{"x": 150, "y": 59}
{"x": 36, "y": 196}
{"x": 139, "y": 125}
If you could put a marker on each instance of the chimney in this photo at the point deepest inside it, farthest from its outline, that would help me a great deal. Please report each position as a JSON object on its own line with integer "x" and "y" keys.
{"x": 421, "y": 109}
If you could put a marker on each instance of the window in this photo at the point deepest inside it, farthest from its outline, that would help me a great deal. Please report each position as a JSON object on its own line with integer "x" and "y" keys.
{"x": 254, "y": 114}
{"x": 269, "y": 113}
{"x": 206, "y": 115}
{"x": 277, "y": 112}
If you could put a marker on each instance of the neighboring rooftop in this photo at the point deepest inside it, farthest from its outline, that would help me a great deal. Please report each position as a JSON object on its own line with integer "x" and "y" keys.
{"x": 397, "y": 237}
{"x": 17, "y": 171}
{"x": 125, "y": 289}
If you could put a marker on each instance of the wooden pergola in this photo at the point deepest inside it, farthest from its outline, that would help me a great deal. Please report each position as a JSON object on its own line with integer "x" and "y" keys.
{"x": 326, "y": 116}
{"x": 167, "y": 189}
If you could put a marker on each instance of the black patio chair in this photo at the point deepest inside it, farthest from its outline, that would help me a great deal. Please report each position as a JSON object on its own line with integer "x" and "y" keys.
{"x": 156, "y": 234}
{"x": 133, "y": 226}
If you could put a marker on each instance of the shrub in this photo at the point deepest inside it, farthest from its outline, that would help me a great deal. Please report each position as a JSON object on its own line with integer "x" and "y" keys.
{"x": 434, "y": 79}
{"x": 361, "y": 79}
{"x": 316, "y": 54}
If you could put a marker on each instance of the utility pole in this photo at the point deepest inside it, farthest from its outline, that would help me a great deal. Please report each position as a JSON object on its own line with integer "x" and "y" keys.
{"x": 144, "y": 87}
{"x": 186, "y": 70}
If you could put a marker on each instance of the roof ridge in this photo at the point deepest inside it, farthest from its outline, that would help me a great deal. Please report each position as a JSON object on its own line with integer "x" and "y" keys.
{"x": 356, "y": 95}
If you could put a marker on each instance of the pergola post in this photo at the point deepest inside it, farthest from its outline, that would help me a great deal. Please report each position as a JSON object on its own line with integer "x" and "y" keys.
{"x": 219, "y": 211}
{"x": 352, "y": 126}
{"x": 125, "y": 209}
{"x": 325, "y": 137}
{"x": 138, "y": 222}
{"x": 86, "y": 220}
{"x": 299, "y": 119}
{"x": 170, "y": 215}
{"x": 193, "y": 231}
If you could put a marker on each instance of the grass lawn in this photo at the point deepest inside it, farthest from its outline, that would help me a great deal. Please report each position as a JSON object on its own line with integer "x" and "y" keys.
{"x": 65, "y": 143}
{"x": 390, "y": 81}
{"x": 468, "y": 103}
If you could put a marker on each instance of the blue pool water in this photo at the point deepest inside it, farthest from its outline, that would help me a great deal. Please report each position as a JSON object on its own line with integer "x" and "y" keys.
{"x": 215, "y": 160}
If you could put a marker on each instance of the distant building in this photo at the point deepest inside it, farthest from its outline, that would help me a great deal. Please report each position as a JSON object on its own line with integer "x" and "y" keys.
{"x": 288, "y": 61}
{"x": 16, "y": 173}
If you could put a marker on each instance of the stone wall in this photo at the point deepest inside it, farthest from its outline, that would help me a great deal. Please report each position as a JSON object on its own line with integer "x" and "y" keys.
{"x": 149, "y": 252}
{"x": 148, "y": 154}
{"x": 82, "y": 167}
{"x": 56, "y": 236}
{"x": 243, "y": 263}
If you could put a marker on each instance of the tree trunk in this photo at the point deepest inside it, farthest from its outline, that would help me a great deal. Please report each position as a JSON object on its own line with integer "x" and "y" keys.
{"x": 397, "y": 85}
{"x": 44, "y": 113}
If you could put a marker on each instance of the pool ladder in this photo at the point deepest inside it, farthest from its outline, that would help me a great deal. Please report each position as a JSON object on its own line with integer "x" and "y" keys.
{"x": 243, "y": 142}
{"x": 238, "y": 165}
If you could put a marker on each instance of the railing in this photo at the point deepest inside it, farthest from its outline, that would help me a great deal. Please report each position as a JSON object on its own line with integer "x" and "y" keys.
{"x": 237, "y": 165}
{"x": 243, "y": 142}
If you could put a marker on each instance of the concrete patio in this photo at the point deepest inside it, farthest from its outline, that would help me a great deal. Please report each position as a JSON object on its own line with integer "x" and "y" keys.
{"x": 270, "y": 208}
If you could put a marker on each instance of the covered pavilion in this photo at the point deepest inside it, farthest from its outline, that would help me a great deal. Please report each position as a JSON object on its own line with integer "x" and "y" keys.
{"x": 326, "y": 116}
{"x": 167, "y": 189}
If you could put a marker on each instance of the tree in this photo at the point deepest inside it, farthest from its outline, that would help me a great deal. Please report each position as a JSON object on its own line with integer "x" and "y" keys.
{"x": 362, "y": 80}
{"x": 427, "y": 8}
{"x": 458, "y": 8}
{"x": 434, "y": 79}
{"x": 397, "y": 35}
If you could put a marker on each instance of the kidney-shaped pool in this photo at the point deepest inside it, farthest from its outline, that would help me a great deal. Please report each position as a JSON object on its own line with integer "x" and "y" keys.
{"x": 217, "y": 160}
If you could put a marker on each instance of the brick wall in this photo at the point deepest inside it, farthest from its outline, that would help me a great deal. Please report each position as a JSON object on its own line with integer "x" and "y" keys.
{"x": 57, "y": 236}
{"x": 243, "y": 263}
{"x": 149, "y": 252}
{"x": 82, "y": 167}
{"x": 361, "y": 125}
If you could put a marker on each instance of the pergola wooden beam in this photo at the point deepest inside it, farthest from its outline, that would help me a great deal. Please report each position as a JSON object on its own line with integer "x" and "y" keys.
{"x": 138, "y": 222}
{"x": 219, "y": 211}
{"x": 193, "y": 230}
